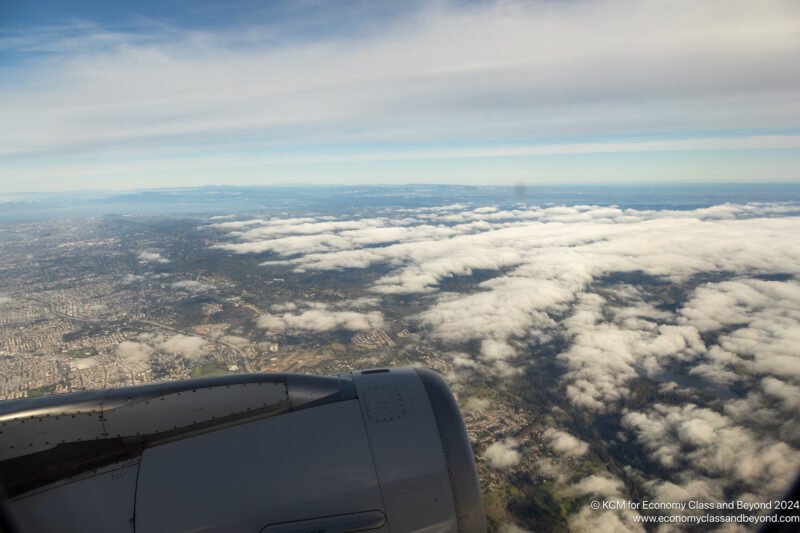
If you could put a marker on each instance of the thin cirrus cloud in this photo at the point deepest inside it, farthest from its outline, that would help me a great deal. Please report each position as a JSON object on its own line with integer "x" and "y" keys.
{"x": 444, "y": 81}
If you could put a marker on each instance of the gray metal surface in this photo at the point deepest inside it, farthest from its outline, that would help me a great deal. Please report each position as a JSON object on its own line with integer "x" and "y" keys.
{"x": 193, "y": 407}
{"x": 56, "y": 404}
{"x": 98, "y": 501}
{"x": 33, "y": 425}
{"x": 349, "y": 523}
{"x": 380, "y": 450}
{"x": 306, "y": 391}
{"x": 407, "y": 450}
{"x": 300, "y": 465}
{"x": 28, "y": 435}
{"x": 458, "y": 453}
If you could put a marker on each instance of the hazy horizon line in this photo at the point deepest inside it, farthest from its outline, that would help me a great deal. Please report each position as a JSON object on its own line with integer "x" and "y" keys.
{"x": 342, "y": 185}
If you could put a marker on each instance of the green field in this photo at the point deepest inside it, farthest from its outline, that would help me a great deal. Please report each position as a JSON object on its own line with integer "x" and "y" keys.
{"x": 82, "y": 353}
{"x": 210, "y": 369}
{"x": 42, "y": 391}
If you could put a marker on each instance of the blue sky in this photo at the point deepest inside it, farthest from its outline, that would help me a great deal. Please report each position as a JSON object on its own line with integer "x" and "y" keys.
{"x": 175, "y": 93}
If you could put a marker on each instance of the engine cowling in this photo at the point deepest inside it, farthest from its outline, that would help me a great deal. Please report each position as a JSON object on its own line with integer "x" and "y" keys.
{"x": 377, "y": 450}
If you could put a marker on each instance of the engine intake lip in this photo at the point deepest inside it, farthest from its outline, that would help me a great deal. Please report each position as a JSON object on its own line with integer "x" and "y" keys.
{"x": 458, "y": 453}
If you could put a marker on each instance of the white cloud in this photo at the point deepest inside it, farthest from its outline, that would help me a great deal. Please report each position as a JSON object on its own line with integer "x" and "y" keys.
{"x": 695, "y": 488}
{"x": 604, "y": 486}
{"x": 588, "y": 520}
{"x": 700, "y": 440}
{"x": 188, "y": 346}
{"x": 134, "y": 352}
{"x": 764, "y": 322}
{"x": 286, "y": 306}
{"x": 235, "y": 340}
{"x": 430, "y": 77}
{"x": 507, "y": 307}
{"x": 292, "y": 236}
{"x": 192, "y": 286}
{"x": 546, "y": 259}
{"x": 321, "y": 319}
{"x": 787, "y": 393}
{"x": 299, "y": 226}
{"x": 477, "y": 405}
{"x": 550, "y": 281}
{"x": 564, "y": 443}
{"x": 151, "y": 257}
{"x": 513, "y": 528}
{"x": 290, "y": 245}
{"x": 503, "y": 454}
{"x": 735, "y": 37}
{"x": 550, "y": 469}
{"x": 604, "y": 356}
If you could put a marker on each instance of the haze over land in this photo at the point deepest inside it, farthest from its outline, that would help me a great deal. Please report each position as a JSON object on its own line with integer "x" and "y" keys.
{"x": 638, "y": 351}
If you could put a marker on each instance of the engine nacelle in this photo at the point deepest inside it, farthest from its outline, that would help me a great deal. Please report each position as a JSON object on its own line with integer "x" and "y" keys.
{"x": 378, "y": 450}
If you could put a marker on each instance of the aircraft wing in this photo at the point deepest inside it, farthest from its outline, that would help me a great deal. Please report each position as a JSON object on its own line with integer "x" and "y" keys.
{"x": 377, "y": 450}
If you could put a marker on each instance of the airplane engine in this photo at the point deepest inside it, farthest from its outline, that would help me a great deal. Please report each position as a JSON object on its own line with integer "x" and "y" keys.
{"x": 378, "y": 450}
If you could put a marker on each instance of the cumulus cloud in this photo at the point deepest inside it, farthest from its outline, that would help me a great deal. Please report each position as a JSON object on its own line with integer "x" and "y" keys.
{"x": 689, "y": 486}
{"x": 235, "y": 340}
{"x": 134, "y": 352}
{"x": 606, "y": 355}
{"x": 289, "y": 237}
{"x": 359, "y": 303}
{"x": 258, "y": 229}
{"x": 321, "y": 319}
{"x": 513, "y": 528}
{"x": 604, "y": 485}
{"x": 786, "y": 393}
{"x": 695, "y": 439}
{"x": 708, "y": 307}
{"x": 503, "y": 454}
{"x": 286, "y": 306}
{"x": 545, "y": 260}
{"x": 130, "y": 279}
{"x": 152, "y": 257}
{"x": 601, "y": 487}
{"x": 290, "y": 245}
{"x": 549, "y": 469}
{"x": 548, "y": 257}
{"x": 192, "y": 286}
{"x": 477, "y": 405}
{"x": 588, "y": 520}
{"x": 763, "y": 323}
{"x": 137, "y": 352}
{"x": 564, "y": 443}
{"x": 185, "y": 345}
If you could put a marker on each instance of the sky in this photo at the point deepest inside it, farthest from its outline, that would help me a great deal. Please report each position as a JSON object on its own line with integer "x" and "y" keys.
{"x": 121, "y": 95}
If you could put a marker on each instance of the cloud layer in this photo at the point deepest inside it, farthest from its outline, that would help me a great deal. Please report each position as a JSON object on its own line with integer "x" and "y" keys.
{"x": 174, "y": 101}
{"x": 697, "y": 310}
